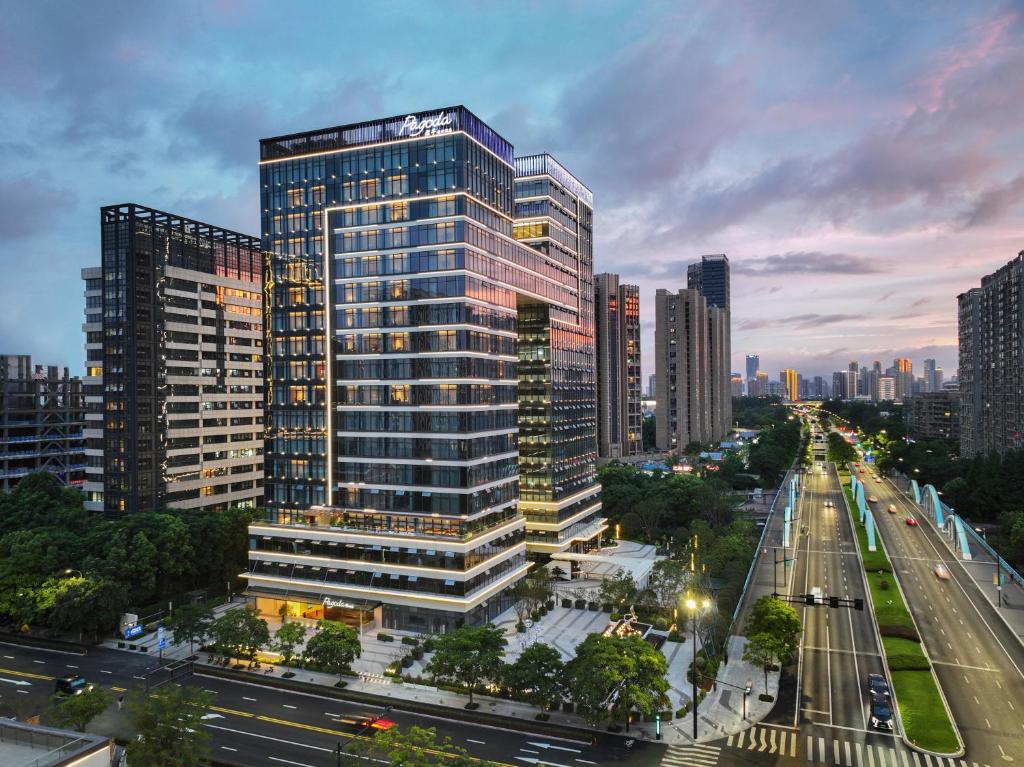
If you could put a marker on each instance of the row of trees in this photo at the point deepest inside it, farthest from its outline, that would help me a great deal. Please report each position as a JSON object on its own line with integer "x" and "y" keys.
{"x": 71, "y": 571}
{"x": 773, "y": 634}
{"x": 608, "y": 678}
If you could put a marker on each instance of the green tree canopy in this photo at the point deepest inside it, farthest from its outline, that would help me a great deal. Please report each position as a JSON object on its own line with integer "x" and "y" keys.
{"x": 612, "y": 676}
{"x": 76, "y": 711}
{"x": 287, "y": 637}
{"x": 170, "y": 723}
{"x": 773, "y": 631}
{"x": 333, "y": 647}
{"x": 413, "y": 747}
{"x": 190, "y": 623}
{"x": 240, "y": 632}
{"x": 469, "y": 655}
{"x": 619, "y": 590}
{"x": 537, "y": 674}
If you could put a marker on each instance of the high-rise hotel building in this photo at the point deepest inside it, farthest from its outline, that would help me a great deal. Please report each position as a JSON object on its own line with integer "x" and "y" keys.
{"x": 430, "y": 353}
{"x": 619, "y": 413}
{"x": 174, "y": 365}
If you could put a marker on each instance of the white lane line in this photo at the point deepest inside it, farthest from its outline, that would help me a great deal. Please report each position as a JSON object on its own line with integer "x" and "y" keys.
{"x": 835, "y": 751}
{"x": 810, "y": 748}
{"x": 268, "y": 737}
{"x": 40, "y": 662}
{"x": 104, "y": 671}
{"x": 9, "y": 657}
{"x": 328, "y": 713}
{"x": 529, "y": 751}
{"x": 478, "y": 742}
{"x": 289, "y": 761}
{"x": 846, "y": 743}
{"x": 70, "y": 666}
{"x": 287, "y": 705}
{"x": 821, "y": 749}
{"x": 585, "y": 761}
{"x": 871, "y": 756}
{"x": 251, "y": 700}
{"x": 976, "y": 701}
{"x": 1011, "y": 705}
{"x": 228, "y": 748}
{"x": 23, "y": 692}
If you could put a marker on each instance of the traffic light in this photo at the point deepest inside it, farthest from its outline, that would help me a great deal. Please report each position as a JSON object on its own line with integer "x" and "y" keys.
{"x": 858, "y": 604}
{"x": 833, "y": 601}
{"x": 809, "y": 599}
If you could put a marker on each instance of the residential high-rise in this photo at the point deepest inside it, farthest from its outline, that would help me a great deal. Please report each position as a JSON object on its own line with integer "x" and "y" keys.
{"x": 432, "y": 345}
{"x": 760, "y": 383}
{"x": 683, "y": 365}
{"x": 933, "y": 415}
{"x": 928, "y": 382}
{"x": 904, "y": 370}
{"x": 42, "y": 412}
{"x": 617, "y": 329}
{"x": 650, "y": 386}
{"x": 174, "y": 385}
{"x": 839, "y": 378}
{"x": 710, "y": 277}
{"x": 788, "y": 379}
{"x": 991, "y": 329}
{"x": 886, "y": 388}
{"x": 852, "y": 387}
{"x": 719, "y": 357}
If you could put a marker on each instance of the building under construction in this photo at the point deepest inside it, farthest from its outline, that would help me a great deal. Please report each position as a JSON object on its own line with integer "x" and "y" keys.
{"x": 42, "y": 413}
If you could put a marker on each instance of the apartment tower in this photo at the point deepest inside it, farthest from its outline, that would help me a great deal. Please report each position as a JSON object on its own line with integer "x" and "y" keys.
{"x": 617, "y": 323}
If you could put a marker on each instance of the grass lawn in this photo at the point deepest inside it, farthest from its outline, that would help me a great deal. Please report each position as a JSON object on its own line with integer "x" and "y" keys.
{"x": 904, "y": 654}
{"x": 873, "y": 560}
{"x": 889, "y": 607}
{"x": 922, "y": 713}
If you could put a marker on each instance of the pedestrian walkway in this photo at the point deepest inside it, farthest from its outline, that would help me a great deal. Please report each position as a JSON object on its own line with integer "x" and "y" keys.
{"x": 697, "y": 755}
{"x": 770, "y": 740}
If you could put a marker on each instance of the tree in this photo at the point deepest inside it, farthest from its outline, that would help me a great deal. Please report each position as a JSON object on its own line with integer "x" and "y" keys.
{"x": 287, "y": 637}
{"x": 190, "y": 623}
{"x": 620, "y": 590}
{"x": 839, "y": 450}
{"x": 333, "y": 647}
{"x": 668, "y": 579}
{"x": 536, "y": 674}
{"x": 240, "y": 632}
{"x": 469, "y": 655}
{"x": 77, "y": 711}
{"x": 84, "y": 605}
{"x": 415, "y": 747}
{"x": 612, "y": 676}
{"x": 773, "y": 632}
{"x": 169, "y": 722}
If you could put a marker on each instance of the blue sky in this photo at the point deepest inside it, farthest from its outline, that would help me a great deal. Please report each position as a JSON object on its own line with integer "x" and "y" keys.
{"x": 860, "y": 163}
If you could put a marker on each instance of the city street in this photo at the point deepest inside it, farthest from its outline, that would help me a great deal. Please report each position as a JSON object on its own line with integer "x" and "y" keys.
{"x": 977, "y": 659}
{"x": 252, "y": 724}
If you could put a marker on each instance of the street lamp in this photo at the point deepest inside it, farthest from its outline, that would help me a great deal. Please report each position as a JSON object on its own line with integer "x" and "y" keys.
{"x": 72, "y": 570}
{"x": 692, "y": 605}
{"x": 746, "y": 691}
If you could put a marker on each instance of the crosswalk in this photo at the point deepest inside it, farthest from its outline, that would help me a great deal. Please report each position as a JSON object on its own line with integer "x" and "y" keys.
{"x": 697, "y": 755}
{"x": 769, "y": 740}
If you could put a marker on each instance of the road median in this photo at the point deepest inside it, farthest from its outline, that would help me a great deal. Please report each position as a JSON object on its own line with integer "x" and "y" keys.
{"x": 922, "y": 709}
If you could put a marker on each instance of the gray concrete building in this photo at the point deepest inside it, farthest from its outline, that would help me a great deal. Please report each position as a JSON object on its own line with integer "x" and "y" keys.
{"x": 933, "y": 415}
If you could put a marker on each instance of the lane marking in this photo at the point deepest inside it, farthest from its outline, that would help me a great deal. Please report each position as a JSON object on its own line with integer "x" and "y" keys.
{"x": 288, "y": 761}
{"x": 228, "y": 748}
{"x": 40, "y": 662}
{"x": 70, "y": 666}
{"x": 287, "y": 705}
{"x": 479, "y": 742}
{"x": 251, "y": 700}
{"x": 104, "y": 671}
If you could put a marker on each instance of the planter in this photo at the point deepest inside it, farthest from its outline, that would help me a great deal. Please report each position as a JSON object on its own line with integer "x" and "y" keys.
{"x": 408, "y": 640}
{"x": 566, "y": 603}
{"x": 550, "y": 604}
{"x": 580, "y": 604}
{"x": 471, "y": 706}
{"x": 593, "y": 607}
{"x": 385, "y": 638}
{"x": 287, "y": 674}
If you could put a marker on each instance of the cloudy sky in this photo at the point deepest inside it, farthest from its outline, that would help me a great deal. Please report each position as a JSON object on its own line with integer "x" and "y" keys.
{"x": 860, "y": 163}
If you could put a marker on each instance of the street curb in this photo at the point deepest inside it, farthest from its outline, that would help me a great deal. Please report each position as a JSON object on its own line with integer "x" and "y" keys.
{"x": 931, "y": 666}
{"x": 440, "y": 711}
{"x": 50, "y": 645}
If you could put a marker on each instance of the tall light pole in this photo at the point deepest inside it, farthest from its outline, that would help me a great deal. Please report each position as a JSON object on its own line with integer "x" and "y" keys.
{"x": 692, "y": 605}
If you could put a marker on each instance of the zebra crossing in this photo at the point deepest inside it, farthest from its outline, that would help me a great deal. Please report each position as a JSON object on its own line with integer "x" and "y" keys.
{"x": 696, "y": 755}
{"x": 769, "y": 740}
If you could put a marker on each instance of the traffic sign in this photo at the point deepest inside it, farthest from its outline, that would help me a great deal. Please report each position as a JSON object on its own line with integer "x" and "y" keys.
{"x": 161, "y": 640}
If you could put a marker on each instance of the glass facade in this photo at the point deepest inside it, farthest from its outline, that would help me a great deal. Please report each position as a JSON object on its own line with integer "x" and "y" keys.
{"x": 400, "y": 305}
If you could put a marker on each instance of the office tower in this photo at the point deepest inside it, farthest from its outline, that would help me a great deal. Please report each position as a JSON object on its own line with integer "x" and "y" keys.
{"x": 617, "y": 329}
{"x": 991, "y": 372}
{"x": 776, "y": 389}
{"x": 761, "y": 383}
{"x": 710, "y": 278}
{"x": 753, "y": 364}
{"x": 803, "y": 388}
{"x": 886, "y": 388}
{"x": 650, "y": 386}
{"x": 937, "y": 379}
{"x": 181, "y": 371}
{"x": 449, "y": 286}
{"x": 904, "y": 374}
{"x": 683, "y": 365}
{"x": 933, "y": 415}
{"x": 42, "y": 412}
{"x": 736, "y": 385}
{"x": 790, "y": 387}
{"x": 852, "y": 385}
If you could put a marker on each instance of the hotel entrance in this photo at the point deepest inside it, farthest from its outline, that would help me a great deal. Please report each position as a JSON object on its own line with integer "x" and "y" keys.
{"x": 358, "y": 614}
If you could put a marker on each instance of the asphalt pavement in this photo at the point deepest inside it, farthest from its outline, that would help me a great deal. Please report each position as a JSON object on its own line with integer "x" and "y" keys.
{"x": 977, "y": 659}
{"x": 252, "y": 724}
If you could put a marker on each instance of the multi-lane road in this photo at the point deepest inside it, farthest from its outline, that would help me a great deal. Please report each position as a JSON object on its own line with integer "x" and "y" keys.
{"x": 256, "y": 725}
{"x": 978, "y": 660}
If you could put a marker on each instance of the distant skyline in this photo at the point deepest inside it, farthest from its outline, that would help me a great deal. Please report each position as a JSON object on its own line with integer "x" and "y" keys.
{"x": 860, "y": 163}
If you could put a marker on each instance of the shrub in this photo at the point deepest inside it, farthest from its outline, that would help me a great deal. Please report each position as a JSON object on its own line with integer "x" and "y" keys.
{"x": 543, "y": 610}
{"x": 766, "y": 697}
{"x": 908, "y": 662}
{"x": 406, "y": 661}
{"x": 675, "y": 636}
{"x": 408, "y": 640}
{"x": 883, "y": 585}
{"x": 428, "y": 645}
{"x": 341, "y": 684}
{"x": 550, "y": 604}
{"x": 666, "y": 716}
{"x": 385, "y": 638}
{"x": 902, "y": 632}
{"x": 581, "y": 604}
{"x": 535, "y": 615}
{"x": 144, "y": 649}
{"x": 521, "y": 627}
{"x": 417, "y": 652}
{"x": 120, "y": 645}
{"x": 568, "y": 706}
{"x": 472, "y": 706}
{"x": 593, "y": 607}
{"x": 683, "y": 710}
{"x": 661, "y": 624}
{"x": 566, "y": 603}
{"x": 287, "y": 674}
{"x": 133, "y": 647}
{"x": 614, "y": 617}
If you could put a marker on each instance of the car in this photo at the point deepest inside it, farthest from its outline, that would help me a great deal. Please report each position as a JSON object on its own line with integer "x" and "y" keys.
{"x": 877, "y": 685}
{"x": 862, "y": 471}
{"x": 872, "y": 499}
{"x": 374, "y": 723}
{"x": 73, "y": 684}
{"x": 881, "y": 712}
{"x": 911, "y": 522}
{"x": 942, "y": 572}
{"x": 892, "y": 508}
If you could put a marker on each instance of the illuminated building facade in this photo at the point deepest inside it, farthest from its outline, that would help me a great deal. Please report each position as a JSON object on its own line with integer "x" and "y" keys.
{"x": 430, "y": 344}
{"x": 619, "y": 414}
